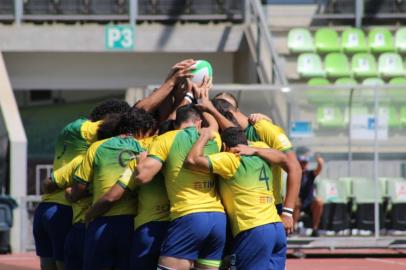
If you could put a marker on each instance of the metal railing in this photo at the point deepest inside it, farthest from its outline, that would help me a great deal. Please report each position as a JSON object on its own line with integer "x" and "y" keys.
{"x": 128, "y": 10}
{"x": 42, "y": 171}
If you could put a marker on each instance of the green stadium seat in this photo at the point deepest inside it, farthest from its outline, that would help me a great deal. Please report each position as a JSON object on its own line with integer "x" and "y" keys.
{"x": 330, "y": 116}
{"x": 364, "y": 196}
{"x": 342, "y": 95}
{"x": 347, "y": 184}
{"x": 346, "y": 82}
{"x": 403, "y": 116}
{"x": 363, "y": 65}
{"x": 392, "y": 115}
{"x": 397, "y": 194}
{"x": 300, "y": 40}
{"x": 318, "y": 95}
{"x": 400, "y": 40}
{"x": 380, "y": 40}
{"x": 353, "y": 41}
{"x": 369, "y": 94}
{"x": 390, "y": 65}
{"x": 326, "y": 41}
{"x": 337, "y": 65}
{"x": 309, "y": 65}
{"x": 335, "y": 214}
{"x": 397, "y": 95}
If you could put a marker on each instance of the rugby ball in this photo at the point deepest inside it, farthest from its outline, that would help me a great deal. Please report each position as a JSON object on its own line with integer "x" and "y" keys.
{"x": 201, "y": 68}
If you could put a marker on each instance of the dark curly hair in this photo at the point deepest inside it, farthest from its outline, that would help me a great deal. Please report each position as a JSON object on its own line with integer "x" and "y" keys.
{"x": 109, "y": 106}
{"x": 135, "y": 121}
{"x": 233, "y": 136}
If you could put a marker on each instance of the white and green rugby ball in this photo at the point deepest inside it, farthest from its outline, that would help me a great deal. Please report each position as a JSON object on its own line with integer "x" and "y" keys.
{"x": 201, "y": 68}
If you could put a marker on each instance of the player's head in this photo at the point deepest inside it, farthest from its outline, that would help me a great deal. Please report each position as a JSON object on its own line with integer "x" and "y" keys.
{"x": 226, "y": 109}
{"x": 107, "y": 107}
{"x": 227, "y": 97}
{"x": 303, "y": 156}
{"x": 188, "y": 115}
{"x": 137, "y": 122}
{"x": 232, "y": 137}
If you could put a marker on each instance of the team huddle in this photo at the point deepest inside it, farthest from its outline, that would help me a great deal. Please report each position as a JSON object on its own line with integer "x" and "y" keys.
{"x": 176, "y": 182}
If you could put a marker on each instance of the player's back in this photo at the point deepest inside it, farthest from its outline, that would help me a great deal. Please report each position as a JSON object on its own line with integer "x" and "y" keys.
{"x": 188, "y": 191}
{"x": 246, "y": 190}
{"x": 111, "y": 157}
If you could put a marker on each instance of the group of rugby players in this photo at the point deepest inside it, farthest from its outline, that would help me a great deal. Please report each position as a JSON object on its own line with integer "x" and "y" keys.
{"x": 178, "y": 181}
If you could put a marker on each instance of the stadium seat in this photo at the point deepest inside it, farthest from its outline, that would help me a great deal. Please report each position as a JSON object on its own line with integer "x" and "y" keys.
{"x": 403, "y": 116}
{"x": 380, "y": 40}
{"x": 397, "y": 195}
{"x": 347, "y": 184}
{"x": 330, "y": 116}
{"x": 337, "y": 65}
{"x": 300, "y": 40}
{"x": 326, "y": 40}
{"x": 392, "y": 115}
{"x": 397, "y": 95}
{"x": 363, "y": 65}
{"x": 335, "y": 215}
{"x": 318, "y": 95}
{"x": 353, "y": 41}
{"x": 390, "y": 65}
{"x": 309, "y": 65}
{"x": 369, "y": 94}
{"x": 400, "y": 40}
{"x": 364, "y": 195}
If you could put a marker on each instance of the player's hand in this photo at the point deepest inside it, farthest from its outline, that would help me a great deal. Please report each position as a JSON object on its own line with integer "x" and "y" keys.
{"x": 287, "y": 223}
{"x": 201, "y": 93}
{"x": 47, "y": 186}
{"x": 319, "y": 159}
{"x": 68, "y": 194}
{"x": 181, "y": 70}
{"x": 141, "y": 157}
{"x": 243, "y": 150}
{"x": 255, "y": 117}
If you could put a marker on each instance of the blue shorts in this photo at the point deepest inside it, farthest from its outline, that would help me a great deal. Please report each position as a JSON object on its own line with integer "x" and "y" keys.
{"x": 74, "y": 247}
{"x": 196, "y": 236}
{"x": 108, "y": 242}
{"x": 279, "y": 208}
{"x": 263, "y": 247}
{"x": 52, "y": 222}
{"x": 146, "y": 245}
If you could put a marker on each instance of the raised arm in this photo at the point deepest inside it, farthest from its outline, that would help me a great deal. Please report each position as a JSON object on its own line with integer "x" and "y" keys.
{"x": 147, "y": 168}
{"x": 320, "y": 164}
{"x": 178, "y": 71}
{"x": 196, "y": 159}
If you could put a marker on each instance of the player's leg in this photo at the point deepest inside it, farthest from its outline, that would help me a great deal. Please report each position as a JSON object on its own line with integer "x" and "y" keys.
{"x": 183, "y": 241}
{"x": 146, "y": 245}
{"x": 58, "y": 227}
{"x": 74, "y": 247}
{"x": 43, "y": 244}
{"x": 317, "y": 210}
{"x": 98, "y": 250}
{"x": 253, "y": 248}
{"x": 212, "y": 249}
{"x": 278, "y": 256}
{"x": 122, "y": 230}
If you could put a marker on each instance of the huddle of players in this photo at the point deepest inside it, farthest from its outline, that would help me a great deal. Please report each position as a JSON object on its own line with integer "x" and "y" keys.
{"x": 155, "y": 186}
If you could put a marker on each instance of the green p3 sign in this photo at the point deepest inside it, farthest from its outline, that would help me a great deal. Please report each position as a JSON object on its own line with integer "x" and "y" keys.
{"x": 119, "y": 37}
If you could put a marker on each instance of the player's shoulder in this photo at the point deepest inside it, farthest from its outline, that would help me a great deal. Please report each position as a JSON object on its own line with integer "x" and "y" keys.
{"x": 258, "y": 144}
{"x": 264, "y": 123}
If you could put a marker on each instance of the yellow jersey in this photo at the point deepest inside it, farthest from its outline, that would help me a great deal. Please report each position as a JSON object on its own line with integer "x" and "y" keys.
{"x": 104, "y": 163}
{"x": 73, "y": 140}
{"x": 274, "y": 137}
{"x": 188, "y": 191}
{"x": 246, "y": 189}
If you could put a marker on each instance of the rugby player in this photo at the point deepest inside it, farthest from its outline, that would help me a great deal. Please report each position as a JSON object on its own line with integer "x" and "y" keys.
{"x": 246, "y": 192}
{"x": 53, "y": 216}
{"x": 108, "y": 235}
{"x": 196, "y": 232}
{"x": 274, "y": 136}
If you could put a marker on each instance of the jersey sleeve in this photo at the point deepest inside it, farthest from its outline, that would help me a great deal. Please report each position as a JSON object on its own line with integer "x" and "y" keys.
{"x": 224, "y": 164}
{"x": 89, "y": 130}
{"x": 127, "y": 179}
{"x": 217, "y": 139}
{"x": 160, "y": 147}
{"x": 63, "y": 176}
{"x": 84, "y": 174}
{"x": 272, "y": 135}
